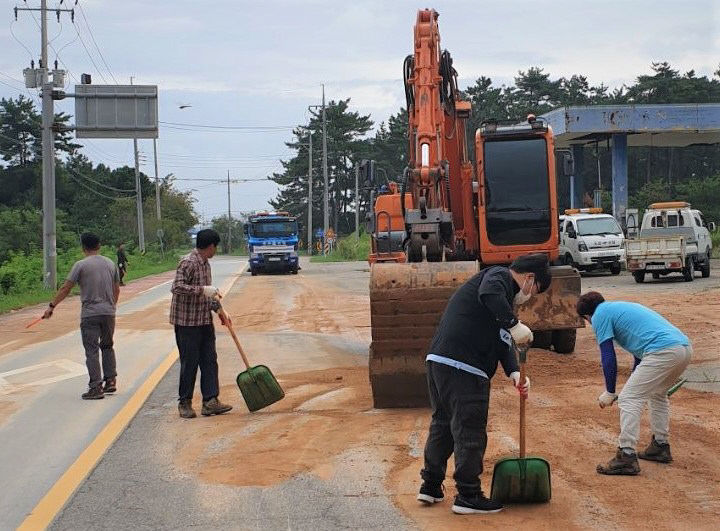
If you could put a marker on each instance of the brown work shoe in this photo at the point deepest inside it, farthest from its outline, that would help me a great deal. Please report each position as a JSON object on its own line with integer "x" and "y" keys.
{"x": 623, "y": 464}
{"x": 214, "y": 407}
{"x": 656, "y": 451}
{"x": 110, "y": 386}
{"x": 185, "y": 409}
{"x": 94, "y": 393}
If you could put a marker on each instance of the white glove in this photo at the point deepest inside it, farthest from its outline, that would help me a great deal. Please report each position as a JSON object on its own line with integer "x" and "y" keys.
{"x": 521, "y": 334}
{"x": 211, "y": 292}
{"x": 606, "y": 399}
{"x": 515, "y": 377}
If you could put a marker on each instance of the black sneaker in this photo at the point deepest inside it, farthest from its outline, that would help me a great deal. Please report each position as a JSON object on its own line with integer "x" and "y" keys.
{"x": 94, "y": 393}
{"x": 430, "y": 493}
{"x": 477, "y": 504}
{"x": 110, "y": 386}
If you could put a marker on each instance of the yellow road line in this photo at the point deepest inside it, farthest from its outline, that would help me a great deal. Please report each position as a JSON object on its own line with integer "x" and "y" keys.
{"x": 51, "y": 504}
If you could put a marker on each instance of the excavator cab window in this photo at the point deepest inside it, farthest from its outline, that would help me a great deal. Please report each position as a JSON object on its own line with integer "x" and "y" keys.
{"x": 517, "y": 191}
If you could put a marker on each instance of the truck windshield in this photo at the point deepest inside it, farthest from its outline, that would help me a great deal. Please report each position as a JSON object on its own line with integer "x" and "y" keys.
{"x": 517, "y": 191}
{"x": 267, "y": 229}
{"x": 598, "y": 226}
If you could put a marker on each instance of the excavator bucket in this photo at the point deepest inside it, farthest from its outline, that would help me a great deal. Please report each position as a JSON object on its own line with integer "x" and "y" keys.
{"x": 406, "y": 303}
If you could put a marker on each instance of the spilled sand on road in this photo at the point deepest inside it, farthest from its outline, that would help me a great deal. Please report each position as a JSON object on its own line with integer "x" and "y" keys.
{"x": 328, "y": 411}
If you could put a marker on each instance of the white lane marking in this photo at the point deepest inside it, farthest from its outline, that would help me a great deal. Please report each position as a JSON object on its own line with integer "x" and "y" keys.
{"x": 64, "y": 369}
{"x": 152, "y": 288}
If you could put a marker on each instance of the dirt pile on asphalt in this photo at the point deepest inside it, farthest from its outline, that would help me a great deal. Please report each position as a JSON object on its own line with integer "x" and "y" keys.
{"x": 328, "y": 410}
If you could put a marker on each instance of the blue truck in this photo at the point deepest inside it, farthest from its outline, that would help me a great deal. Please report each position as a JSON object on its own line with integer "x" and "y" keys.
{"x": 272, "y": 241}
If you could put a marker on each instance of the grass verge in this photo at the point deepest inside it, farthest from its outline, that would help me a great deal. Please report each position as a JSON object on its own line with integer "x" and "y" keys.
{"x": 28, "y": 290}
{"x": 348, "y": 249}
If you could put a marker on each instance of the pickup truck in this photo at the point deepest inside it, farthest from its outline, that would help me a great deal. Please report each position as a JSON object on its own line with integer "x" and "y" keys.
{"x": 673, "y": 238}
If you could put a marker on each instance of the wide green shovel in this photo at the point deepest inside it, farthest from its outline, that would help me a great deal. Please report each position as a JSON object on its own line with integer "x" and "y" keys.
{"x": 524, "y": 479}
{"x": 257, "y": 384}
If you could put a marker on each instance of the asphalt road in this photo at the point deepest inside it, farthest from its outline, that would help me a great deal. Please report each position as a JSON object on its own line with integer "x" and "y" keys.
{"x": 45, "y": 425}
{"x": 143, "y": 482}
{"x": 139, "y": 484}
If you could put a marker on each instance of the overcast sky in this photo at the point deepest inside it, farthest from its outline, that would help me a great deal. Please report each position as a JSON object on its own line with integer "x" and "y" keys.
{"x": 261, "y": 63}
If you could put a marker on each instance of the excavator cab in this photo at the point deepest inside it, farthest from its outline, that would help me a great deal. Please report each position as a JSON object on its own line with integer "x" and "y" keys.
{"x": 517, "y": 197}
{"x": 387, "y": 226}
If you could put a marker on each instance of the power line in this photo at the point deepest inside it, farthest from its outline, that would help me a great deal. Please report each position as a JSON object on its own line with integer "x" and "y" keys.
{"x": 96, "y": 192}
{"x": 222, "y": 181}
{"x": 240, "y": 127}
{"x": 211, "y": 158}
{"x": 123, "y": 191}
{"x": 19, "y": 41}
{"x": 13, "y": 78}
{"x": 82, "y": 12}
{"x": 88, "y": 53}
{"x": 57, "y": 55}
{"x": 12, "y": 86}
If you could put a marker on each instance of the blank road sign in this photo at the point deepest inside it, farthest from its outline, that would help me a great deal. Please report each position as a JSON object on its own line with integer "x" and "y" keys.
{"x": 116, "y": 111}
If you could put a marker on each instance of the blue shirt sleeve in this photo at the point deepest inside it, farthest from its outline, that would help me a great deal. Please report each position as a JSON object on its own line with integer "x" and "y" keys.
{"x": 609, "y": 363}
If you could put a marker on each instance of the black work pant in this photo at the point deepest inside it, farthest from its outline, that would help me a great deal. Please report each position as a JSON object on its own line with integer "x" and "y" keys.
{"x": 97, "y": 336}
{"x": 459, "y": 402}
{"x": 196, "y": 345}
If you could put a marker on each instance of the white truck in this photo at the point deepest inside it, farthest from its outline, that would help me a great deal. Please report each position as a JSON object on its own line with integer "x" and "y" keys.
{"x": 673, "y": 238}
{"x": 591, "y": 241}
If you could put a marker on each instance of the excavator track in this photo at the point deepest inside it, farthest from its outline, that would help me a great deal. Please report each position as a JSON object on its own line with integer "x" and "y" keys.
{"x": 406, "y": 303}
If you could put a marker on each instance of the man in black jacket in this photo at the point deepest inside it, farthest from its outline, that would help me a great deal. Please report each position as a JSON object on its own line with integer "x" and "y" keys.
{"x": 475, "y": 332}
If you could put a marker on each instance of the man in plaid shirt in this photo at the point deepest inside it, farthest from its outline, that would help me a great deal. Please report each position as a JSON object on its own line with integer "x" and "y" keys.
{"x": 193, "y": 300}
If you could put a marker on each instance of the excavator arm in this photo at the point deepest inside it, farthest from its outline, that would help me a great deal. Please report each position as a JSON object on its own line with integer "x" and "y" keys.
{"x": 439, "y": 174}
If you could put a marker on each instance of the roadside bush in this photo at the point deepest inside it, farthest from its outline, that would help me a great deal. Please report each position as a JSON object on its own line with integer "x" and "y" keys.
{"x": 348, "y": 249}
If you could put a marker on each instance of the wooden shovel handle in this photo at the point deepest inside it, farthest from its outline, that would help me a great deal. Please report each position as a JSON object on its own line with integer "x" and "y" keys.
{"x": 522, "y": 411}
{"x": 228, "y": 324}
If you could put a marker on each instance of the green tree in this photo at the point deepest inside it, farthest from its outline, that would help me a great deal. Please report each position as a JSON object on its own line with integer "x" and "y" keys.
{"x": 220, "y": 224}
{"x": 346, "y": 145}
{"x": 21, "y": 132}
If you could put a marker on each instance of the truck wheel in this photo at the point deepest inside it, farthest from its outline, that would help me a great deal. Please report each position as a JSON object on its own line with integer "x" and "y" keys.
{"x": 564, "y": 340}
{"x": 568, "y": 260}
{"x": 689, "y": 270}
{"x": 706, "y": 266}
{"x": 253, "y": 272}
{"x": 615, "y": 269}
{"x": 542, "y": 339}
{"x": 656, "y": 276}
{"x": 639, "y": 276}
{"x": 294, "y": 270}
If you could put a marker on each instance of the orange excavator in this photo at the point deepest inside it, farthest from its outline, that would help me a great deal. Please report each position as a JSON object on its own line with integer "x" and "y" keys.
{"x": 450, "y": 216}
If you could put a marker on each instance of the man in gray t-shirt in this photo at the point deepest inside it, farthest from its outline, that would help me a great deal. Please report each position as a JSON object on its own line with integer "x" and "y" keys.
{"x": 99, "y": 283}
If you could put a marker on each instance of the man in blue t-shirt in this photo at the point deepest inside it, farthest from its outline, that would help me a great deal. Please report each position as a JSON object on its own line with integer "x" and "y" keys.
{"x": 661, "y": 352}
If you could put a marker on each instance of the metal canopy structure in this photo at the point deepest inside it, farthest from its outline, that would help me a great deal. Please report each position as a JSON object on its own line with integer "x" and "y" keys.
{"x": 676, "y": 125}
{"x": 670, "y": 125}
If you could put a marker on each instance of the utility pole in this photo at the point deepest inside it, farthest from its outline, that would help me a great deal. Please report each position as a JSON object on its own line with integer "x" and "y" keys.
{"x": 310, "y": 194}
{"x": 157, "y": 181}
{"x": 326, "y": 223}
{"x": 138, "y": 196}
{"x": 48, "y": 161}
{"x": 357, "y": 200}
{"x": 229, "y": 245}
{"x": 48, "y": 146}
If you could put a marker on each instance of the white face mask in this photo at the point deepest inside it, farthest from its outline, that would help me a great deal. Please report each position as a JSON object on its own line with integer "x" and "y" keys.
{"x": 522, "y": 297}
